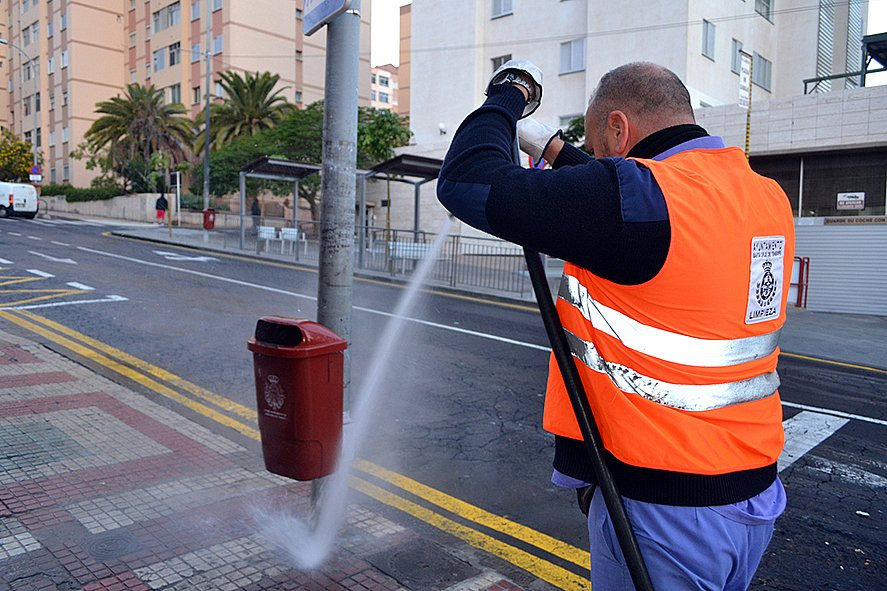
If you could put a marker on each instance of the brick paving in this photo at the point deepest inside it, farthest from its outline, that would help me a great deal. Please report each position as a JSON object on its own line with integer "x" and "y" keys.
{"x": 103, "y": 489}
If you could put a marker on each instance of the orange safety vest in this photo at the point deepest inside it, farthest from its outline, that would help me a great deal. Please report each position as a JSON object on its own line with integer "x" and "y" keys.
{"x": 680, "y": 371}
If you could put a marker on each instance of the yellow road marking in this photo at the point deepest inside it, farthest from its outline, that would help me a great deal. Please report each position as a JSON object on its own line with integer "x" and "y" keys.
{"x": 158, "y": 372}
{"x": 830, "y": 362}
{"x": 56, "y": 293}
{"x": 477, "y": 515}
{"x": 132, "y": 375}
{"x": 551, "y": 573}
{"x": 13, "y": 279}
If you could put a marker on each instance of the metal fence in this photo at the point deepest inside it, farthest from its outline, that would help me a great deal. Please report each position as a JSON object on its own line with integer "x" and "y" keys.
{"x": 474, "y": 263}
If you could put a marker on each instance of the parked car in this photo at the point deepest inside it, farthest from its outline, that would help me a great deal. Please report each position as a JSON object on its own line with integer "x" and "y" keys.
{"x": 18, "y": 199}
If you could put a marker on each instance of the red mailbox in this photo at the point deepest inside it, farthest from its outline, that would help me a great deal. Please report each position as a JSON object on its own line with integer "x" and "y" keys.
{"x": 299, "y": 368}
{"x": 209, "y": 219}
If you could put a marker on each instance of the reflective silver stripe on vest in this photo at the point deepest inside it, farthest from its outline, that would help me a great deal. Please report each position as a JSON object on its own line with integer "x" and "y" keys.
{"x": 693, "y": 397}
{"x": 663, "y": 344}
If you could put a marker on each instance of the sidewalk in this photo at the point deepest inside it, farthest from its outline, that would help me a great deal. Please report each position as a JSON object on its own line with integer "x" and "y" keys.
{"x": 847, "y": 338}
{"x": 101, "y": 488}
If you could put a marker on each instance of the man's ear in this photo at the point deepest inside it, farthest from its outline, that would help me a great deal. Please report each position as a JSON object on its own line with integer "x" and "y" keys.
{"x": 618, "y": 134}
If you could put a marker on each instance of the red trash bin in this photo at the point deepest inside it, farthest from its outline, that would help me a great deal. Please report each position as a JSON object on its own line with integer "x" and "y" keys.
{"x": 209, "y": 219}
{"x": 299, "y": 370}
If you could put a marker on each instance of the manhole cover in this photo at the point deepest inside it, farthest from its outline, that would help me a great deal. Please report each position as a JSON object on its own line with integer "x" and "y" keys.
{"x": 111, "y": 545}
{"x": 423, "y": 566}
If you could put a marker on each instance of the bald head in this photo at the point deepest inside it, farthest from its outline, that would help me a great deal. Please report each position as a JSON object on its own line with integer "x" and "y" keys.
{"x": 651, "y": 97}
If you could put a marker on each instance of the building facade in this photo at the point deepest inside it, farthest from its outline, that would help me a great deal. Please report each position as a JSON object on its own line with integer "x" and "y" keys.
{"x": 85, "y": 51}
{"x": 383, "y": 88}
{"x": 454, "y": 49}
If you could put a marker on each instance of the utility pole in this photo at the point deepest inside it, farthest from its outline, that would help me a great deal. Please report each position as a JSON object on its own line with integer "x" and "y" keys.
{"x": 207, "y": 56}
{"x": 339, "y": 178}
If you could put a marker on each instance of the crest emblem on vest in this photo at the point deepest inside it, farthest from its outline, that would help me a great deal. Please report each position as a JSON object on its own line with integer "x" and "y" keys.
{"x": 765, "y": 290}
{"x": 274, "y": 395}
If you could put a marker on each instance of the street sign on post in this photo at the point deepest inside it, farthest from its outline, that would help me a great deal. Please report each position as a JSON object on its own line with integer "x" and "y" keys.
{"x": 744, "y": 80}
{"x": 35, "y": 174}
{"x": 317, "y": 13}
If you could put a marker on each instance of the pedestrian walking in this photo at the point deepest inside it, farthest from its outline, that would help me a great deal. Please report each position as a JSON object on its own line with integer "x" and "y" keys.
{"x": 256, "y": 212}
{"x": 678, "y": 262}
{"x": 161, "y": 205}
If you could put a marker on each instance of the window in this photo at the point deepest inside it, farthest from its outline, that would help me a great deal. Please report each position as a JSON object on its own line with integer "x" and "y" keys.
{"x": 372, "y": 95}
{"x": 132, "y": 4}
{"x": 217, "y": 5}
{"x": 64, "y": 98}
{"x": 175, "y": 55}
{"x": 501, "y": 8}
{"x": 764, "y": 8}
{"x": 159, "y": 60}
{"x": 220, "y": 92}
{"x": 166, "y": 17}
{"x": 35, "y": 31}
{"x": 26, "y": 36}
{"x": 761, "y": 71}
{"x": 66, "y": 173}
{"x": 708, "y": 39}
{"x": 372, "y": 78}
{"x": 132, "y": 76}
{"x": 195, "y": 53}
{"x": 28, "y": 136}
{"x": 49, "y": 25}
{"x": 298, "y": 96}
{"x": 52, "y": 139}
{"x": 37, "y": 68}
{"x": 498, "y": 61}
{"x": 50, "y": 65}
{"x": 383, "y": 80}
{"x": 52, "y": 102}
{"x": 52, "y": 175}
{"x": 132, "y": 39}
{"x": 39, "y": 137}
{"x": 63, "y": 21}
{"x": 195, "y": 95}
{"x": 27, "y": 71}
{"x": 65, "y": 135}
{"x": 736, "y": 58}
{"x": 37, "y": 101}
{"x": 175, "y": 93}
{"x": 217, "y": 45}
{"x": 195, "y": 10}
{"x": 573, "y": 56}
{"x": 298, "y": 14}
{"x": 147, "y": 70}
{"x": 383, "y": 97}
{"x": 27, "y": 103}
{"x": 65, "y": 59}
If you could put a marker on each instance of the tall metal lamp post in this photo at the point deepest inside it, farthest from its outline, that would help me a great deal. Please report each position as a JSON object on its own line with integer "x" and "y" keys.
{"x": 34, "y": 109}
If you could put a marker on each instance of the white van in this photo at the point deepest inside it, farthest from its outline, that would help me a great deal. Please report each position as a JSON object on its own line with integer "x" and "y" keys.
{"x": 18, "y": 199}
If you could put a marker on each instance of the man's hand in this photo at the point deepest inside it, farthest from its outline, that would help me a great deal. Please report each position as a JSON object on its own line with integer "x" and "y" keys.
{"x": 535, "y": 138}
{"x": 525, "y": 75}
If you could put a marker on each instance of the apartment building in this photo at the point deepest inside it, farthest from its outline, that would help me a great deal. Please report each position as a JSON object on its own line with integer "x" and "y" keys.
{"x": 454, "y": 49}
{"x": 85, "y": 51}
{"x": 383, "y": 88}
{"x": 403, "y": 68}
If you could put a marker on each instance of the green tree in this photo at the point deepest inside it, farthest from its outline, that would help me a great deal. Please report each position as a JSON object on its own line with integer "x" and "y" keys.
{"x": 575, "y": 132}
{"x": 135, "y": 126}
{"x": 379, "y": 131}
{"x": 16, "y": 157}
{"x": 251, "y": 105}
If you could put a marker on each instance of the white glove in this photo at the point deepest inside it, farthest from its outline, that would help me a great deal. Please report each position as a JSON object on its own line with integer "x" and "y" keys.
{"x": 529, "y": 74}
{"x": 534, "y": 136}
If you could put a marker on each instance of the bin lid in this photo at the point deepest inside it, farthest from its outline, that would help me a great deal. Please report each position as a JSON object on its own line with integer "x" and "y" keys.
{"x": 280, "y": 336}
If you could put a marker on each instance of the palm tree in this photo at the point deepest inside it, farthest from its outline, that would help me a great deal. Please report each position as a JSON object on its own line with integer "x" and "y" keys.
{"x": 250, "y": 105}
{"x": 137, "y": 125}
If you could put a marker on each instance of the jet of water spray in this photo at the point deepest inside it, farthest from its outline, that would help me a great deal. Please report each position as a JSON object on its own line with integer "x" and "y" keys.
{"x": 308, "y": 547}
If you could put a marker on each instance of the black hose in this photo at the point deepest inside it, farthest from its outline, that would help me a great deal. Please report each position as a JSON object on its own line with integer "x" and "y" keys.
{"x": 590, "y": 434}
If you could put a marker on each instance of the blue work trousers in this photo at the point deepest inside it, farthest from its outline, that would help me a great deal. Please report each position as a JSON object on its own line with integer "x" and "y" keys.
{"x": 685, "y": 548}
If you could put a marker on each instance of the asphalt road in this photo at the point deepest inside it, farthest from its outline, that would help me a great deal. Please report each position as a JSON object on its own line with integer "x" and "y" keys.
{"x": 459, "y": 411}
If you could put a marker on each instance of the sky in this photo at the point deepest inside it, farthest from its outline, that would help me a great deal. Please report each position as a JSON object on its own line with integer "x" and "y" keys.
{"x": 386, "y": 30}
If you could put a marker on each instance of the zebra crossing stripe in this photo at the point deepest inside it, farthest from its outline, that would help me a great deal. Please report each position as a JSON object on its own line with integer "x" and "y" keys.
{"x": 803, "y": 432}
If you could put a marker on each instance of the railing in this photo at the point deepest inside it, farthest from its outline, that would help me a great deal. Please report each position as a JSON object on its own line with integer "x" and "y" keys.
{"x": 800, "y": 280}
{"x": 479, "y": 263}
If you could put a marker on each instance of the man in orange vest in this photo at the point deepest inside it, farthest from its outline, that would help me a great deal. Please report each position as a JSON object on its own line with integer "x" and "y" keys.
{"x": 678, "y": 261}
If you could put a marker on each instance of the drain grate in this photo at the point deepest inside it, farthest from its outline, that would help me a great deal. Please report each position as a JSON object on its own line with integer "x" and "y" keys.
{"x": 423, "y": 566}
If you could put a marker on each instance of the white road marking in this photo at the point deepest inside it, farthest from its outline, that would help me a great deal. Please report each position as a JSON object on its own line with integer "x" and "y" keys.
{"x": 60, "y": 243}
{"x": 15, "y": 234}
{"x": 40, "y": 273}
{"x": 53, "y": 259}
{"x": 835, "y": 413}
{"x": 803, "y": 432}
{"x": 110, "y": 298}
{"x": 473, "y": 333}
{"x": 177, "y": 256}
{"x": 853, "y": 474}
{"x": 35, "y": 238}
{"x": 6, "y": 262}
{"x": 76, "y": 285}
